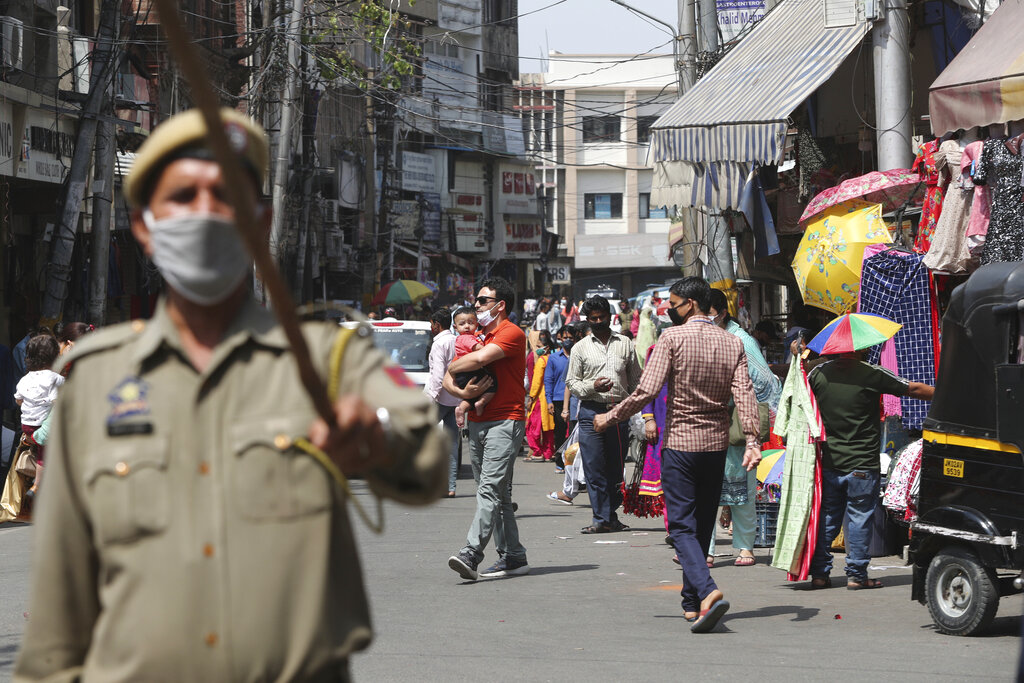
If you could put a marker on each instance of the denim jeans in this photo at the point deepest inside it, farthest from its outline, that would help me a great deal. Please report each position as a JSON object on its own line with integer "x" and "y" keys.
{"x": 447, "y": 415}
{"x": 853, "y": 495}
{"x": 692, "y": 482}
{"x": 604, "y": 457}
{"x": 493, "y": 447}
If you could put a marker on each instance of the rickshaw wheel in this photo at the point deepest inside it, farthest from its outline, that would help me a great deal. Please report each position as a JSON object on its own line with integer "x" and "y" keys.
{"x": 962, "y": 594}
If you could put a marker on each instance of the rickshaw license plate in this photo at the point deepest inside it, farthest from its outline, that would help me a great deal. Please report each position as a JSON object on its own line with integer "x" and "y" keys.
{"x": 953, "y": 468}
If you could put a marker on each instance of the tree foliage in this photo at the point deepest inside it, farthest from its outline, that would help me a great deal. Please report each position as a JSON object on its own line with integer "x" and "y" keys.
{"x": 346, "y": 29}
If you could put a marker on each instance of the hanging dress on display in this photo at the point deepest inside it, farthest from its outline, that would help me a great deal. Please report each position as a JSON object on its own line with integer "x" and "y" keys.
{"x": 926, "y": 165}
{"x": 896, "y": 284}
{"x": 1000, "y": 169}
{"x": 799, "y": 421}
{"x": 977, "y": 224}
{"x": 948, "y": 252}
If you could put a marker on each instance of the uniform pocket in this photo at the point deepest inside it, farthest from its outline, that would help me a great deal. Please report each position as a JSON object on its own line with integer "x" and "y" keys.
{"x": 271, "y": 478}
{"x": 129, "y": 490}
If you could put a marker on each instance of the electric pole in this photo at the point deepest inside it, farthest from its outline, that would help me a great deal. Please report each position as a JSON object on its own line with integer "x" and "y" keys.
{"x": 59, "y": 267}
{"x": 293, "y": 29}
{"x": 102, "y": 202}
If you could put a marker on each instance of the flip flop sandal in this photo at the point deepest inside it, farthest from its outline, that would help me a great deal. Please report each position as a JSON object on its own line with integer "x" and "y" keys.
{"x": 866, "y": 584}
{"x": 820, "y": 582}
{"x": 710, "y": 617}
{"x": 619, "y": 526}
{"x": 744, "y": 561}
{"x": 555, "y": 497}
{"x": 595, "y": 529}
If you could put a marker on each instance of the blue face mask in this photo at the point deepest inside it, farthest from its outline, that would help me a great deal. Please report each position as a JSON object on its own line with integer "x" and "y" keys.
{"x": 567, "y": 344}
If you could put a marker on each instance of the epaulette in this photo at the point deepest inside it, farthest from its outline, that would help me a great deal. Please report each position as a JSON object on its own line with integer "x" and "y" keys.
{"x": 101, "y": 340}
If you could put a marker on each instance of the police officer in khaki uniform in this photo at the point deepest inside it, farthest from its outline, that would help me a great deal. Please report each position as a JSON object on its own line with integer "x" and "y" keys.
{"x": 182, "y": 534}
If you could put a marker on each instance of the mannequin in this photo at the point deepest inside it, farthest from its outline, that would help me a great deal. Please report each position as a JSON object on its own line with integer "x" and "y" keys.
{"x": 970, "y": 135}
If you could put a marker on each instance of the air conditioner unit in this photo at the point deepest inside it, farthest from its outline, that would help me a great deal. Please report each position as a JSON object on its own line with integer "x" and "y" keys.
{"x": 11, "y": 32}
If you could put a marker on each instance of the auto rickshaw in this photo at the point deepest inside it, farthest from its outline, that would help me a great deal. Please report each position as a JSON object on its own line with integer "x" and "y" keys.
{"x": 967, "y": 545}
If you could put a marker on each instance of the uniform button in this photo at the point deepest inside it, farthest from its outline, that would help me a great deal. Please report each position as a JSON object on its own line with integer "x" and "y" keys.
{"x": 122, "y": 468}
{"x": 208, "y": 550}
{"x": 204, "y": 468}
{"x": 138, "y": 326}
{"x": 211, "y": 639}
{"x": 282, "y": 441}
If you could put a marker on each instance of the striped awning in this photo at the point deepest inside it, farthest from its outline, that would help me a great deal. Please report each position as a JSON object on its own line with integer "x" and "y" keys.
{"x": 984, "y": 84}
{"x": 736, "y": 116}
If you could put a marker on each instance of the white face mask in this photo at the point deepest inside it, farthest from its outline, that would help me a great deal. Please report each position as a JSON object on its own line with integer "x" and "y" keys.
{"x": 486, "y": 317}
{"x": 201, "y": 256}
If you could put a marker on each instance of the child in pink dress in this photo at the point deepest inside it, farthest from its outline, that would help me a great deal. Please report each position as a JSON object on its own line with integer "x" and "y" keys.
{"x": 466, "y": 341}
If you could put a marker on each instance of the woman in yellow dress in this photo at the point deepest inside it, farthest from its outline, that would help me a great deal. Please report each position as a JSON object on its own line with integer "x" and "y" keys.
{"x": 540, "y": 423}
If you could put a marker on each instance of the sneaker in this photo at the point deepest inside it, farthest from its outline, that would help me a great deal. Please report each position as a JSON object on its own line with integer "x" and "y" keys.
{"x": 506, "y": 567}
{"x": 465, "y": 564}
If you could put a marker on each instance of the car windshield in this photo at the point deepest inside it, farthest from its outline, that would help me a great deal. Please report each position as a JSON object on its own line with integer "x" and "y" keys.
{"x": 407, "y": 347}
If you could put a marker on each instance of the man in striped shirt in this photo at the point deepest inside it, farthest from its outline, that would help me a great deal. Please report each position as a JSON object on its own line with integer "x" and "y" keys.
{"x": 603, "y": 370}
{"x": 704, "y": 366}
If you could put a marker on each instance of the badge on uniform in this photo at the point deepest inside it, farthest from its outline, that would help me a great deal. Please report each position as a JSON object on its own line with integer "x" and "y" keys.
{"x": 398, "y": 376}
{"x": 128, "y": 400}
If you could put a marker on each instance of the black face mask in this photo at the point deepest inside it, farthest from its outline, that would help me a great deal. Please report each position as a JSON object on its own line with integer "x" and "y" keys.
{"x": 675, "y": 317}
{"x": 601, "y": 327}
{"x": 566, "y": 344}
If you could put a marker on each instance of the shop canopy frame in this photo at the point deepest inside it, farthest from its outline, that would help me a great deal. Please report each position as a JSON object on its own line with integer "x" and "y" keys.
{"x": 984, "y": 84}
{"x": 735, "y": 117}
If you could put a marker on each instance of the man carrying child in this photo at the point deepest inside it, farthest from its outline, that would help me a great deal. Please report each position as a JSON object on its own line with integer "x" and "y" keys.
{"x": 495, "y": 435}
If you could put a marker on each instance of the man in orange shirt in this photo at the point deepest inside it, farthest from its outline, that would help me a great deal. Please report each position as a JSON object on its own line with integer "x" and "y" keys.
{"x": 495, "y": 436}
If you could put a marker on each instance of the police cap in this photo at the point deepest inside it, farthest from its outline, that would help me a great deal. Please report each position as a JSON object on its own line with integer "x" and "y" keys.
{"x": 184, "y": 136}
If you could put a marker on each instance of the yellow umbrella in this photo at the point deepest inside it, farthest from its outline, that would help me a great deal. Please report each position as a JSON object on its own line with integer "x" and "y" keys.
{"x": 831, "y": 253}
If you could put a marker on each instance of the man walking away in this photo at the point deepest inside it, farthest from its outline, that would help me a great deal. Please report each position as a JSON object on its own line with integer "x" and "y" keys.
{"x": 704, "y": 366}
{"x": 442, "y": 353}
{"x": 495, "y": 436}
{"x": 603, "y": 370}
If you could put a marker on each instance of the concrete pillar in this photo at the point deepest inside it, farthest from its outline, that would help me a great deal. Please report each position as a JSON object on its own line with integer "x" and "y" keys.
{"x": 890, "y": 40}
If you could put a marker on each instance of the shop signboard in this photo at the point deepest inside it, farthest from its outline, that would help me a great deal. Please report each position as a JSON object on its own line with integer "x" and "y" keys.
{"x": 503, "y": 134}
{"x": 633, "y": 250}
{"x": 517, "y": 193}
{"x": 522, "y": 238}
{"x": 418, "y": 172}
{"x": 466, "y": 214}
{"x": 35, "y": 144}
{"x": 559, "y": 273}
{"x": 404, "y": 218}
{"x": 431, "y": 217}
{"x": 736, "y": 15}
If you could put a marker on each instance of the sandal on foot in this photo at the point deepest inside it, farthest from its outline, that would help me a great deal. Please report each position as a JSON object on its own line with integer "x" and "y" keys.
{"x": 451, "y": 494}
{"x": 819, "y": 582}
{"x": 744, "y": 561}
{"x": 725, "y": 519}
{"x": 533, "y": 458}
{"x": 619, "y": 526}
{"x": 709, "y": 618}
{"x": 557, "y": 497}
{"x": 864, "y": 584}
{"x": 595, "y": 529}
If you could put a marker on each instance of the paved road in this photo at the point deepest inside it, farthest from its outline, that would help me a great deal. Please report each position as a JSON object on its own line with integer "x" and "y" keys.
{"x": 607, "y": 611}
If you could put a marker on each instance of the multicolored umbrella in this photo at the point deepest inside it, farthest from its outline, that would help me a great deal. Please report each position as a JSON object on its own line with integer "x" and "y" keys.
{"x": 852, "y": 332}
{"x": 771, "y": 459}
{"x": 892, "y": 189}
{"x": 401, "y": 292}
{"x": 831, "y": 253}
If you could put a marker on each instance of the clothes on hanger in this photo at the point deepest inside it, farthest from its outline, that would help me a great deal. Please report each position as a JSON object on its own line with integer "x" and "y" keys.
{"x": 1000, "y": 168}
{"x": 926, "y": 165}
{"x": 896, "y": 285}
{"x": 977, "y": 222}
{"x": 948, "y": 251}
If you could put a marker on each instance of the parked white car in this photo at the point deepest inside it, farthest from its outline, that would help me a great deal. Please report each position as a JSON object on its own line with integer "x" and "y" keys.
{"x": 406, "y": 342}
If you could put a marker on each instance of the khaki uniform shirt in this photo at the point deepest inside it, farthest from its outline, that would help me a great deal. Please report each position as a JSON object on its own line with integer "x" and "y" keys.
{"x": 181, "y": 536}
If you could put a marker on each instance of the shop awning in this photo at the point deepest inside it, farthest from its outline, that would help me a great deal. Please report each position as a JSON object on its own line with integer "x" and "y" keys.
{"x": 736, "y": 116}
{"x": 984, "y": 84}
